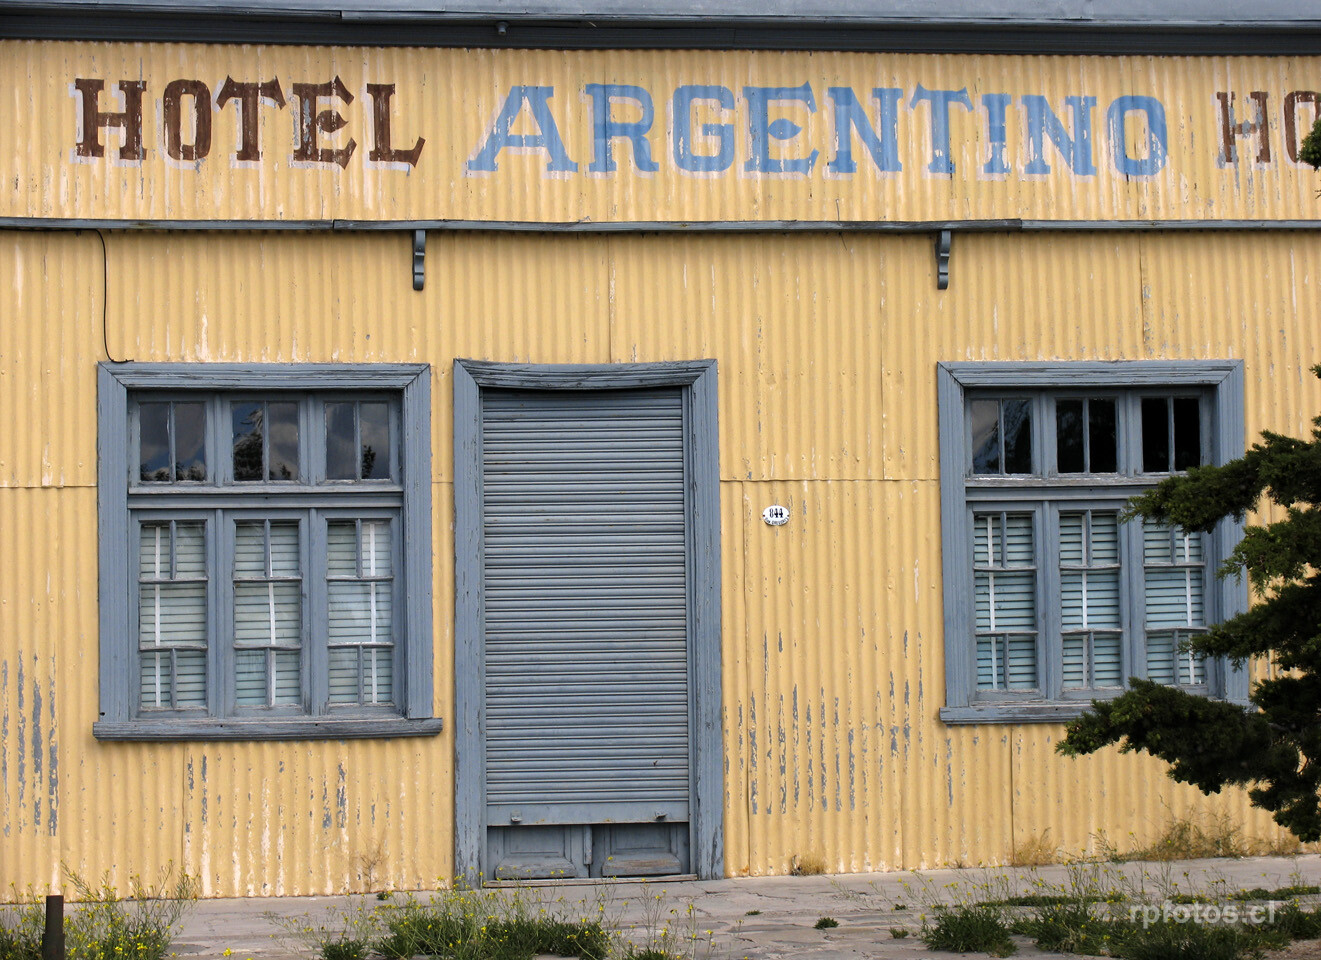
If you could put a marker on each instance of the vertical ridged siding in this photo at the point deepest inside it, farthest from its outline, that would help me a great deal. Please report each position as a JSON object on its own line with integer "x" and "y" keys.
{"x": 832, "y": 633}
{"x": 451, "y": 97}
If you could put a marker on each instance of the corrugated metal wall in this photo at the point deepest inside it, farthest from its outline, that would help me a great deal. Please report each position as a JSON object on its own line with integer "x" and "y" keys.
{"x": 451, "y": 97}
{"x": 833, "y": 657}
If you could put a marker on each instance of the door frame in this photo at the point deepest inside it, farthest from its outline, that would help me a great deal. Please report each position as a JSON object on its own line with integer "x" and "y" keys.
{"x": 697, "y": 379}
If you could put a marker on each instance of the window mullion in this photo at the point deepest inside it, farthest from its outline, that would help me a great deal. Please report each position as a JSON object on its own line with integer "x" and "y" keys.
{"x": 1135, "y": 585}
{"x": 220, "y": 614}
{"x": 1050, "y": 644}
{"x": 317, "y": 613}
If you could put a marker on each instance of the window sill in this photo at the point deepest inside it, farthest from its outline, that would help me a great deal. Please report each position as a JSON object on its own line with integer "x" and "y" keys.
{"x": 1029, "y": 712}
{"x": 300, "y": 729}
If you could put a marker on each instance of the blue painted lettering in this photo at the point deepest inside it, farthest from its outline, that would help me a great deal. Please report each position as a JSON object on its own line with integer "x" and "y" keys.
{"x": 723, "y": 133}
{"x": 762, "y": 130}
{"x": 547, "y": 137}
{"x": 996, "y": 104}
{"x": 1157, "y": 136}
{"x": 606, "y": 129}
{"x": 1042, "y": 122}
{"x": 882, "y": 143}
{"x": 941, "y": 161}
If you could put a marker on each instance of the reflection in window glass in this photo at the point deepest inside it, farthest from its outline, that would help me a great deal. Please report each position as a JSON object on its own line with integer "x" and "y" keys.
{"x": 248, "y": 435}
{"x": 172, "y": 442}
{"x": 1085, "y": 436}
{"x": 282, "y": 441}
{"x": 341, "y": 441}
{"x": 154, "y": 458}
{"x": 1016, "y": 417}
{"x": 1187, "y": 432}
{"x": 265, "y": 440}
{"x": 1102, "y": 437}
{"x": 1171, "y": 433}
{"x": 374, "y": 431}
{"x": 1070, "y": 455}
{"x": 985, "y": 416}
{"x": 189, "y": 441}
{"x": 1001, "y": 436}
{"x": 358, "y": 441}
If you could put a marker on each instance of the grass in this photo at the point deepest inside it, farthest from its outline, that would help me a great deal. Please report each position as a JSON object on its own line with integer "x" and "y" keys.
{"x": 977, "y": 927}
{"x": 825, "y": 923}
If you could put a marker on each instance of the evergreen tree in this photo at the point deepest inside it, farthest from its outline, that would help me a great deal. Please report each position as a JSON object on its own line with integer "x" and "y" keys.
{"x": 1274, "y": 745}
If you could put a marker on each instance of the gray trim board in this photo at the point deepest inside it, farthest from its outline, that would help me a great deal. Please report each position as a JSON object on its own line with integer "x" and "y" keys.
{"x": 319, "y": 729}
{"x": 114, "y": 523}
{"x": 699, "y": 377}
{"x": 1068, "y": 27}
{"x": 1225, "y": 378}
{"x": 652, "y": 226}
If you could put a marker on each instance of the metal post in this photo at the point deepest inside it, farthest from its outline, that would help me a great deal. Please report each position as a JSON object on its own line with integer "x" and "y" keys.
{"x": 52, "y": 939}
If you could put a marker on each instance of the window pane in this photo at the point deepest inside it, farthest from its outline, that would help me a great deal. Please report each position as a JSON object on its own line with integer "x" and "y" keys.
{"x": 249, "y": 550}
{"x": 268, "y": 613}
{"x": 1018, "y": 436}
{"x": 190, "y": 441}
{"x": 282, "y": 443}
{"x": 1187, "y": 432}
{"x": 247, "y": 418}
{"x": 154, "y": 442}
{"x": 172, "y": 615}
{"x": 985, "y": 417}
{"x": 1167, "y": 664}
{"x": 361, "y": 611}
{"x": 375, "y": 430}
{"x": 1155, "y": 435}
{"x": 250, "y": 678}
{"x": 341, "y": 444}
{"x": 1004, "y": 601}
{"x": 1069, "y": 436}
{"x": 1102, "y": 436}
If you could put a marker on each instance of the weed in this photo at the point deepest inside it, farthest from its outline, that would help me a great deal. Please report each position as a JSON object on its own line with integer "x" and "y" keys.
{"x": 346, "y": 950}
{"x": 106, "y": 926}
{"x": 899, "y": 906}
{"x": 825, "y": 923}
{"x": 898, "y": 933}
{"x": 807, "y": 865}
{"x": 1035, "y": 851}
{"x": 979, "y": 926}
{"x": 753, "y": 913}
{"x": 1187, "y": 941}
{"x": 20, "y": 931}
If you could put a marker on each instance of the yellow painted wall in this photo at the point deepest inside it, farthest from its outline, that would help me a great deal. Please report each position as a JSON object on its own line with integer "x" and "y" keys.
{"x": 451, "y": 98}
{"x": 832, "y": 632}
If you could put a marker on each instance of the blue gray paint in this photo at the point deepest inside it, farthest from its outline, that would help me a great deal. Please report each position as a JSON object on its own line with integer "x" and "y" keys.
{"x": 29, "y": 747}
{"x": 708, "y": 124}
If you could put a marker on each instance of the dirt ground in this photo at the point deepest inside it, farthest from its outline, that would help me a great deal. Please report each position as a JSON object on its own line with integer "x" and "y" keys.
{"x": 1302, "y": 950}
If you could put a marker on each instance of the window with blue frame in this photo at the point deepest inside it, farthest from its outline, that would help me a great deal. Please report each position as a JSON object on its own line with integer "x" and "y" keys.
{"x": 265, "y": 551}
{"x": 1051, "y": 600}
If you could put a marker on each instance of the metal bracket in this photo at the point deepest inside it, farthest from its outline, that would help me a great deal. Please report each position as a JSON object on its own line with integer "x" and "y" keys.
{"x": 943, "y": 240}
{"x": 420, "y": 259}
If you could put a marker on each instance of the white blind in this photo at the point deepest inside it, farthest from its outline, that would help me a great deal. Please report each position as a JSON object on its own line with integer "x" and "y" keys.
{"x": 268, "y": 613}
{"x": 1089, "y": 599}
{"x": 1174, "y": 575}
{"x": 361, "y": 611}
{"x": 1005, "y": 600}
{"x": 172, "y": 621}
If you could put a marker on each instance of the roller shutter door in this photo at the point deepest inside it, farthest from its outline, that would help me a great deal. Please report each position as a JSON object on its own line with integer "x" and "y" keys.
{"x": 585, "y": 583}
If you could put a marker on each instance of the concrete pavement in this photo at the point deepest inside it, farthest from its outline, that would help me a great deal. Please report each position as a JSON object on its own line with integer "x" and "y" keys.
{"x": 769, "y": 918}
